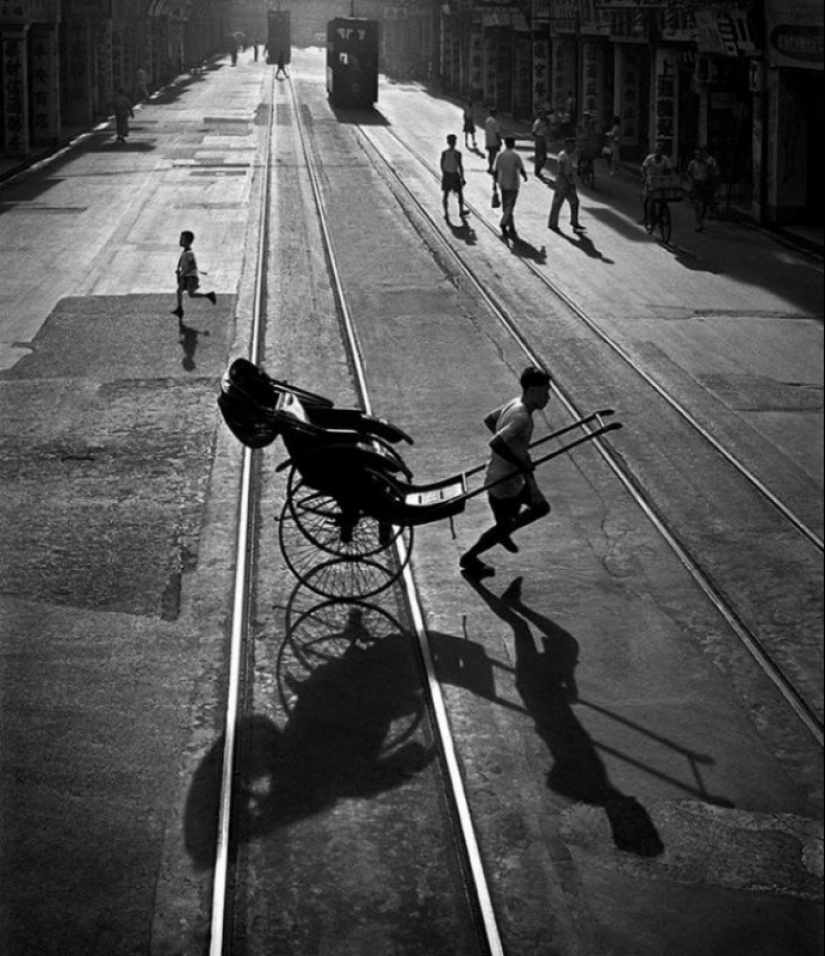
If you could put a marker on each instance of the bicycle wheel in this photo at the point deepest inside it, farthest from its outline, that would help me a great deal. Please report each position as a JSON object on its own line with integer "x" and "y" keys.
{"x": 664, "y": 222}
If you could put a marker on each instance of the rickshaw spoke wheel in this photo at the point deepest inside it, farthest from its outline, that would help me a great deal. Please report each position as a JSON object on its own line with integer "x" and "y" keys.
{"x": 341, "y": 576}
{"x": 344, "y": 533}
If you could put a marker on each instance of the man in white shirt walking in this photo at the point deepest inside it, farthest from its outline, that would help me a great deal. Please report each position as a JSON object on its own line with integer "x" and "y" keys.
{"x": 507, "y": 171}
{"x": 492, "y": 138}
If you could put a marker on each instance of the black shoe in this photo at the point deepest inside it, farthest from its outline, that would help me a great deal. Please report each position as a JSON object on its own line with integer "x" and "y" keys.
{"x": 578, "y": 227}
{"x": 178, "y": 312}
{"x": 212, "y": 297}
{"x": 553, "y": 226}
{"x": 475, "y": 567}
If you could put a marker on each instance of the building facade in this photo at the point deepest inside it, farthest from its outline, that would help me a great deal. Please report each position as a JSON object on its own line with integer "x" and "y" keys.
{"x": 742, "y": 76}
{"x": 62, "y": 61}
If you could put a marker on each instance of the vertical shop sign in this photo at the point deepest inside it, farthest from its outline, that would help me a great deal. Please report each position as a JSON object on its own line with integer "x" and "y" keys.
{"x": 523, "y": 98}
{"x": 564, "y": 71}
{"x": 489, "y": 53}
{"x": 541, "y": 74}
{"x": 593, "y": 70}
{"x": 476, "y": 60}
{"x": 45, "y": 86}
{"x": 630, "y": 94}
{"x": 15, "y": 120}
{"x": 665, "y": 102}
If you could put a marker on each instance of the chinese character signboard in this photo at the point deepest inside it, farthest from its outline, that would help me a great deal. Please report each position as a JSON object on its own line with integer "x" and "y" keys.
{"x": 541, "y": 74}
{"x": 665, "y": 102}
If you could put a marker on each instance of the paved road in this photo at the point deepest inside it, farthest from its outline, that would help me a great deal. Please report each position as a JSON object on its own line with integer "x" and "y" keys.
{"x": 604, "y": 674}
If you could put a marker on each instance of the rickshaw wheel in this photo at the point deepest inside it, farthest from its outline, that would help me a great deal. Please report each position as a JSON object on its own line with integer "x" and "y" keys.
{"x": 350, "y": 575}
{"x": 343, "y": 533}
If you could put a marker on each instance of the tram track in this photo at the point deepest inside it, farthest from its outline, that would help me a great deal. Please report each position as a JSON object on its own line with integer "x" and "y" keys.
{"x": 714, "y": 590}
{"x": 478, "y": 886}
{"x": 224, "y": 885}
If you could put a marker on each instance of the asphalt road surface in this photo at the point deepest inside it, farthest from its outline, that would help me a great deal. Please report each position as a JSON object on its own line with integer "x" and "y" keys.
{"x": 638, "y": 786}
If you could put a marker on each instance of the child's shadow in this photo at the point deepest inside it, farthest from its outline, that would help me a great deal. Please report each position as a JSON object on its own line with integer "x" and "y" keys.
{"x": 188, "y": 338}
{"x": 464, "y": 232}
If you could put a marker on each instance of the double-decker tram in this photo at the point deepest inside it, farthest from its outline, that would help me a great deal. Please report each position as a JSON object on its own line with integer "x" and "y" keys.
{"x": 278, "y": 36}
{"x": 352, "y": 62}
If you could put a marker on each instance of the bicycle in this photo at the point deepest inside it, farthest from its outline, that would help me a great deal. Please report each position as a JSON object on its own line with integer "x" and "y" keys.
{"x": 657, "y": 215}
{"x": 660, "y": 192}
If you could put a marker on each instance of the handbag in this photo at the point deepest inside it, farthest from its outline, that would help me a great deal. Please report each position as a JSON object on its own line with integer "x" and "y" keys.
{"x": 496, "y": 199}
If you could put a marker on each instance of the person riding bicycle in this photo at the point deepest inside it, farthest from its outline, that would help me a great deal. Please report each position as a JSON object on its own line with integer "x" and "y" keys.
{"x": 654, "y": 166}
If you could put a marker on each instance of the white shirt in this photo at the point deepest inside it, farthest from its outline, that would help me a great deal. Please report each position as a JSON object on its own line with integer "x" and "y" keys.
{"x": 509, "y": 168}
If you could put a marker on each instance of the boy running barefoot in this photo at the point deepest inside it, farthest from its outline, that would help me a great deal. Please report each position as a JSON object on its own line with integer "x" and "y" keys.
{"x": 188, "y": 275}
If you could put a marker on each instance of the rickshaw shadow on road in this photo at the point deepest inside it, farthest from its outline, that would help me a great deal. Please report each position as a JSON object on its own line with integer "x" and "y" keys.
{"x": 352, "y": 703}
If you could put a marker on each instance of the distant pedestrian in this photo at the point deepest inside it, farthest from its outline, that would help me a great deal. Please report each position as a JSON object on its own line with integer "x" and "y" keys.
{"x": 469, "y": 125}
{"x": 141, "y": 84}
{"x": 188, "y": 275}
{"x": 492, "y": 138}
{"x": 508, "y": 169}
{"x": 514, "y": 496}
{"x": 281, "y": 65}
{"x": 614, "y": 137}
{"x": 123, "y": 113}
{"x": 255, "y": 51}
{"x": 234, "y": 54}
{"x": 541, "y": 131}
{"x": 703, "y": 175}
{"x": 452, "y": 176}
{"x": 566, "y": 186}
{"x": 554, "y": 126}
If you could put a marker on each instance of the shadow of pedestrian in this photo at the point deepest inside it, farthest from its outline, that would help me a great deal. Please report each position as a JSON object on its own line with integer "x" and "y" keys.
{"x": 520, "y": 247}
{"x": 586, "y": 245}
{"x": 188, "y": 338}
{"x": 546, "y": 681}
{"x": 463, "y": 232}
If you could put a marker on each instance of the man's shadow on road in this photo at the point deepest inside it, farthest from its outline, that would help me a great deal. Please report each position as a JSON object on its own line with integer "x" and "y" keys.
{"x": 546, "y": 681}
{"x": 188, "y": 338}
{"x": 525, "y": 250}
{"x": 586, "y": 245}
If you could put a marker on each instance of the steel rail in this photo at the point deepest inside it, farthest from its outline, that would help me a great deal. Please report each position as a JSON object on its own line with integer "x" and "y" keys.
{"x": 674, "y": 403}
{"x": 804, "y": 712}
{"x": 241, "y": 587}
{"x": 443, "y": 734}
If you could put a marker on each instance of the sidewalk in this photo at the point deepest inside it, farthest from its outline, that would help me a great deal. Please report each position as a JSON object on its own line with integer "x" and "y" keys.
{"x": 807, "y": 238}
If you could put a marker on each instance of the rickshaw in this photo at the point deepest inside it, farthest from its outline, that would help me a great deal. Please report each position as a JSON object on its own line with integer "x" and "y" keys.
{"x": 351, "y": 505}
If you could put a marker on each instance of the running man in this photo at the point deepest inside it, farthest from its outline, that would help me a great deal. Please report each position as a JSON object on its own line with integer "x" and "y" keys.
{"x": 515, "y": 498}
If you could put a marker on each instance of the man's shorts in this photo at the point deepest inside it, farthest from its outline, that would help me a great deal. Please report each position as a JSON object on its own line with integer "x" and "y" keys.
{"x": 450, "y": 183}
